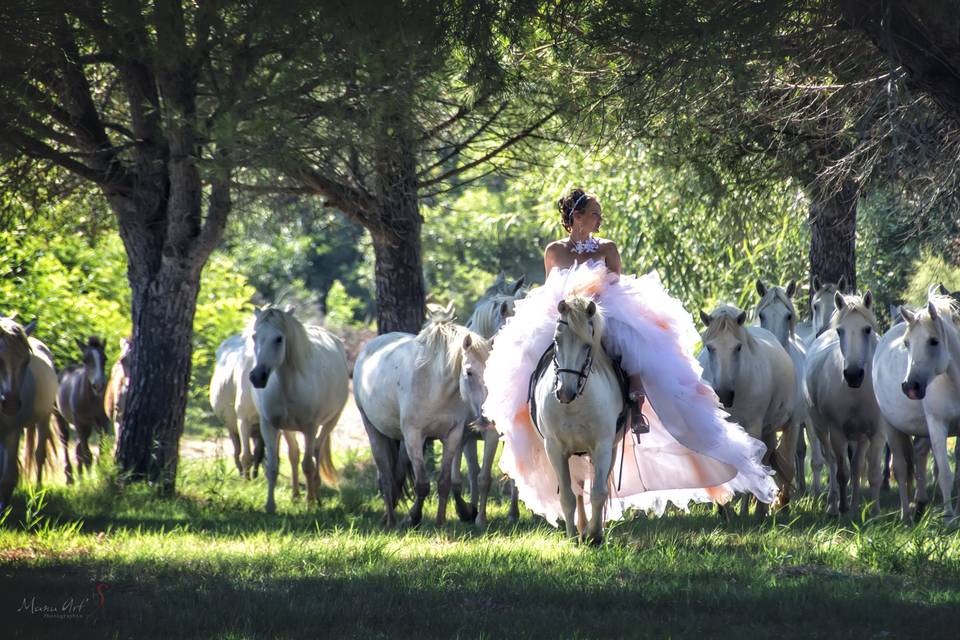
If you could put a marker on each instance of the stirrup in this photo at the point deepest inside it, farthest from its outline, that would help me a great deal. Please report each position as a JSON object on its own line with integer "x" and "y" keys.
{"x": 638, "y": 422}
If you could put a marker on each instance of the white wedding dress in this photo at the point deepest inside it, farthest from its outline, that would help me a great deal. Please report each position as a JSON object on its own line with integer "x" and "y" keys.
{"x": 692, "y": 453}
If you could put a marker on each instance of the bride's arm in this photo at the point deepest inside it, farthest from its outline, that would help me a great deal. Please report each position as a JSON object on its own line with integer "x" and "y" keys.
{"x": 549, "y": 259}
{"x": 613, "y": 259}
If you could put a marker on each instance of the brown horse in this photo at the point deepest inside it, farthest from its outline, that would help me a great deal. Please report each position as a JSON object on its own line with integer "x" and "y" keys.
{"x": 80, "y": 401}
{"x": 115, "y": 397}
{"x": 28, "y": 386}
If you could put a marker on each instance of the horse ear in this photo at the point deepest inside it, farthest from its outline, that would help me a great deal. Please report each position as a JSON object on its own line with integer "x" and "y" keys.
{"x": 838, "y": 300}
{"x": 501, "y": 278}
{"x": 562, "y": 306}
{"x": 932, "y": 310}
{"x": 907, "y": 315}
{"x": 467, "y": 342}
{"x": 448, "y": 310}
{"x": 742, "y": 318}
{"x": 504, "y": 309}
{"x": 868, "y": 300}
{"x": 30, "y": 327}
{"x": 762, "y": 290}
{"x": 289, "y": 308}
{"x": 257, "y": 311}
{"x": 591, "y": 309}
{"x": 517, "y": 285}
{"x": 791, "y": 288}
{"x": 893, "y": 310}
{"x": 942, "y": 290}
{"x": 842, "y": 283}
{"x": 80, "y": 344}
{"x": 704, "y": 318}
{"x": 817, "y": 285}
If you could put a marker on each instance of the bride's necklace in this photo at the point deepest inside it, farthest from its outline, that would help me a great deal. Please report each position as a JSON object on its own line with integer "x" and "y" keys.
{"x": 589, "y": 245}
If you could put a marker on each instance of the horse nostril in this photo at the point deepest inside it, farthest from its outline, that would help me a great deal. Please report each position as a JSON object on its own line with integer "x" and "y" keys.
{"x": 726, "y": 397}
{"x": 913, "y": 390}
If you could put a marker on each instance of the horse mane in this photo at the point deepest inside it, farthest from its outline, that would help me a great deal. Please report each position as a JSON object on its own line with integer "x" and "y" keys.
{"x": 298, "y": 341}
{"x": 944, "y": 304}
{"x": 580, "y": 323}
{"x": 484, "y": 318}
{"x": 779, "y": 293}
{"x": 11, "y": 331}
{"x": 440, "y": 354}
{"x": 853, "y": 303}
{"x": 723, "y": 319}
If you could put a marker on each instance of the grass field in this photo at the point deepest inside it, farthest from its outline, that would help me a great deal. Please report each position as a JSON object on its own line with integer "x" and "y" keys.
{"x": 210, "y": 563}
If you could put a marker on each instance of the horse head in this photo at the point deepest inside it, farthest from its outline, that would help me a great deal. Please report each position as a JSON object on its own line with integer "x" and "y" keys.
{"x": 14, "y": 360}
{"x": 474, "y": 352}
{"x": 94, "y": 360}
{"x": 821, "y": 302}
{"x": 723, "y": 339}
{"x": 856, "y": 328}
{"x": 926, "y": 340}
{"x": 270, "y": 337}
{"x": 576, "y": 339}
{"x": 776, "y": 311}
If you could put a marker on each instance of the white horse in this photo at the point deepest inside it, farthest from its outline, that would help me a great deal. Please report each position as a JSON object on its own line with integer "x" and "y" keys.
{"x": 821, "y": 310}
{"x": 488, "y": 316}
{"x": 777, "y": 315}
{"x": 300, "y": 382}
{"x": 231, "y": 397}
{"x": 840, "y": 395}
{"x": 753, "y": 376}
{"x": 903, "y": 417}
{"x": 579, "y": 400}
{"x": 933, "y": 377}
{"x": 411, "y": 388}
{"x": 28, "y": 391}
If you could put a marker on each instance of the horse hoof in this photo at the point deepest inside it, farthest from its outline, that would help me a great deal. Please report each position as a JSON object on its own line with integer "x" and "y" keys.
{"x": 466, "y": 512}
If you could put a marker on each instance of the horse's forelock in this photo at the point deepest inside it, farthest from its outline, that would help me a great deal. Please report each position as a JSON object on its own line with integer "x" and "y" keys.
{"x": 853, "y": 303}
{"x": 580, "y": 323}
{"x": 292, "y": 329}
{"x": 722, "y": 320}
{"x": 441, "y": 352}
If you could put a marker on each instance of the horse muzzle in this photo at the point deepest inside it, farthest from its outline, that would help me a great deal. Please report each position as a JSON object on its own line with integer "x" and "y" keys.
{"x": 853, "y": 377}
{"x": 259, "y": 377}
{"x": 726, "y": 397}
{"x": 565, "y": 396}
{"x": 10, "y": 404}
{"x": 914, "y": 390}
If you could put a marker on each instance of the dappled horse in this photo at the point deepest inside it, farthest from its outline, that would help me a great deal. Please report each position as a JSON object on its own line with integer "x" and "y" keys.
{"x": 488, "y": 316}
{"x": 409, "y": 388}
{"x": 840, "y": 396}
{"x": 932, "y": 340}
{"x": 300, "y": 384}
{"x": 28, "y": 389}
{"x": 776, "y": 314}
{"x": 231, "y": 397}
{"x": 754, "y": 378}
{"x": 80, "y": 402}
{"x": 115, "y": 397}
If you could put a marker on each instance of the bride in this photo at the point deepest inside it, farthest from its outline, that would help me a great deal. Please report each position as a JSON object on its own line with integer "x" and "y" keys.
{"x": 684, "y": 450}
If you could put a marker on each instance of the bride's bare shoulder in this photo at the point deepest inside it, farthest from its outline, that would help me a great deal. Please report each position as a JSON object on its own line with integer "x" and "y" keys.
{"x": 555, "y": 247}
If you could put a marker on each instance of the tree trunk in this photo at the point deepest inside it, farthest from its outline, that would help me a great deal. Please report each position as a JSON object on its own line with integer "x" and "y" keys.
{"x": 833, "y": 226}
{"x": 399, "y": 277}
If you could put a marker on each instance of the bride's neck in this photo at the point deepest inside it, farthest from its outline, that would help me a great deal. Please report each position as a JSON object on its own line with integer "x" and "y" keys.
{"x": 576, "y": 236}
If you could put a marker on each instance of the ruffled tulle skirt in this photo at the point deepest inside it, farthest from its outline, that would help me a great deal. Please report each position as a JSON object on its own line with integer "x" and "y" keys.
{"x": 692, "y": 453}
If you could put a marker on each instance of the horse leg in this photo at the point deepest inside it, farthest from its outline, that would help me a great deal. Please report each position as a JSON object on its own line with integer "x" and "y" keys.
{"x": 581, "y": 513}
{"x": 421, "y": 483}
{"x": 491, "y": 441}
{"x": 839, "y": 467}
{"x": 309, "y": 465}
{"x": 271, "y": 445}
{"x": 902, "y": 453}
{"x": 451, "y": 447}
{"x": 877, "y": 458}
{"x": 245, "y": 433}
{"x": 800, "y": 463}
{"x": 921, "y": 454}
{"x": 40, "y": 453}
{"x": 561, "y": 466}
{"x": 64, "y": 430}
{"x": 514, "y": 514}
{"x": 386, "y": 454}
{"x": 602, "y": 457}
{"x": 84, "y": 457}
{"x": 293, "y": 454}
{"x": 237, "y": 448}
{"x": 787, "y": 456}
{"x": 860, "y": 455}
{"x": 469, "y": 447}
{"x": 9, "y": 467}
{"x": 817, "y": 462}
{"x": 465, "y": 512}
{"x": 938, "y": 442}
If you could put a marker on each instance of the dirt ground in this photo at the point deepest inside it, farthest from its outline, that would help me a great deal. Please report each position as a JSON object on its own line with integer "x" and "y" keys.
{"x": 347, "y": 435}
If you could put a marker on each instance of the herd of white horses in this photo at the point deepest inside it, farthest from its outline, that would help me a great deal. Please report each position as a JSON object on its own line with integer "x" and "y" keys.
{"x": 836, "y": 378}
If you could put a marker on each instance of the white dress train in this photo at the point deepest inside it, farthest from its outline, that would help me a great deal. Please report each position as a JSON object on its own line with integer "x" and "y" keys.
{"x": 692, "y": 452}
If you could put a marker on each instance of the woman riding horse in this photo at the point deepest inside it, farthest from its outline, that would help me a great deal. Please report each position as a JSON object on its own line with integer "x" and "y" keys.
{"x": 691, "y": 451}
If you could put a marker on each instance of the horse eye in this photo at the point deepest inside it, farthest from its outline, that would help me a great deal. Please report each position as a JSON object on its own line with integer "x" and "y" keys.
{"x": 866, "y": 331}
{"x": 739, "y": 347}
{"x": 789, "y": 317}
{"x": 933, "y": 342}
{"x": 710, "y": 348}
{"x": 278, "y": 339}
{"x": 762, "y": 317}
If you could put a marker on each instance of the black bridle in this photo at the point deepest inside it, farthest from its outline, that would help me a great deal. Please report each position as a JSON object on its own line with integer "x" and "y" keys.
{"x": 582, "y": 373}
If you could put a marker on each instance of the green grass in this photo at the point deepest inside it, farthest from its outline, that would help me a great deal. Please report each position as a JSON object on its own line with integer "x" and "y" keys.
{"x": 210, "y": 563}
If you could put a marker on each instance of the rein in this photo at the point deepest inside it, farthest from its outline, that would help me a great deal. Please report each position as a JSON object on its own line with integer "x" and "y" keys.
{"x": 582, "y": 373}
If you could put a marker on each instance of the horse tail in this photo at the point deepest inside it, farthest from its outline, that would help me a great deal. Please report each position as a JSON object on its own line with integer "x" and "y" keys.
{"x": 29, "y": 451}
{"x": 63, "y": 429}
{"x": 328, "y": 473}
{"x": 38, "y": 444}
